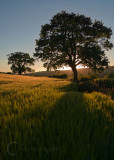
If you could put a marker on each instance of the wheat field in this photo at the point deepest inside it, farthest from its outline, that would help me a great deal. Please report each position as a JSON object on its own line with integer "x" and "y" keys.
{"x": 48, "y": 119}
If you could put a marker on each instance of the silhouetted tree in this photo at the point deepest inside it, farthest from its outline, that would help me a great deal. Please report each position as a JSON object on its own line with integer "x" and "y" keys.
{"x": 20, "y": 62}
{"x": 71, "y": 40}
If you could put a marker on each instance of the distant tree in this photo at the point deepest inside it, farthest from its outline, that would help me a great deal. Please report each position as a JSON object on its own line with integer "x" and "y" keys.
{"x": 20, "y": 62}
{"x": 71, "y": 40}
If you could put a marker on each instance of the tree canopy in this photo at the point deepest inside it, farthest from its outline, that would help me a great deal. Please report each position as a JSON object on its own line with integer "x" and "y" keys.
{"x": 20, "y": 62}
{"x": 70, "y": 40}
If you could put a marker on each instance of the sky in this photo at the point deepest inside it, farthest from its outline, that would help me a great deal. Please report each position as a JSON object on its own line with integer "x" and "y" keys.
{"x": 21, "y": 21}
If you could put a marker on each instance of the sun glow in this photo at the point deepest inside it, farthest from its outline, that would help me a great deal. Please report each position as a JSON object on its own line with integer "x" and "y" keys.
{"x": 69, "y": 68}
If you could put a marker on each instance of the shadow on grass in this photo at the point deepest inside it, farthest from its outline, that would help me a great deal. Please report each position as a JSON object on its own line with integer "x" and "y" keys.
{"x": 70, "y": 129}
{"x": 69, "y": 88}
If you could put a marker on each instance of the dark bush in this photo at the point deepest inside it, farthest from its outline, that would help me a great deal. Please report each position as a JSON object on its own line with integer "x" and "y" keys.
{"x": 87, "y": 78}
{"x": 92, "y": 76}
{"x": 103, "y": 85}
{"x": 8, "y": 73}
{"x": 81, "y": 79}
{"x": 111, "y": 75}
{"x": 104, "y": 82}
{"x": 62, "y": 76}
{"x": 112, "y": 94}
{"x": 86, "y": 86}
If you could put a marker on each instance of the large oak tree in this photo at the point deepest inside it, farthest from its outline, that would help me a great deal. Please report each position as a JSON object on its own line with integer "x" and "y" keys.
{"x": 70, "y": 40}
{"x": 20, "y": 62}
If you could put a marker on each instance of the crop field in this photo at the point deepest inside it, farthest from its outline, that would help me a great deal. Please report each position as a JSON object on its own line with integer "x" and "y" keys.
{"x": 48, "y": 119}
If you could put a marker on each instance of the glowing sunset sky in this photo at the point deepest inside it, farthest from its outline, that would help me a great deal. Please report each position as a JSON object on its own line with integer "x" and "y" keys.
{"x": 21, "y": 20}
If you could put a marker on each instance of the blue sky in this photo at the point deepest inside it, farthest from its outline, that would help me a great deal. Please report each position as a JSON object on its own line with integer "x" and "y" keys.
{"x": 21, "y": 20}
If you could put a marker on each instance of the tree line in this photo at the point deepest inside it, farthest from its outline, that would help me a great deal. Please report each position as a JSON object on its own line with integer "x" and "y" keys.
{"x": 68, "y": 40}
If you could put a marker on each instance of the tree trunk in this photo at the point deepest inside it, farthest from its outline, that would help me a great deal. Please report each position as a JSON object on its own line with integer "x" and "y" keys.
{"x": 75, "y": 78}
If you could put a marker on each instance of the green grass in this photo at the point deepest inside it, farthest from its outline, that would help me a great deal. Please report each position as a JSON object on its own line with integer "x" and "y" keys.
{"x": 47, "y": 119}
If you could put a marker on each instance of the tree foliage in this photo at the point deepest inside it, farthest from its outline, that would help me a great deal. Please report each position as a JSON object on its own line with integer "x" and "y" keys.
{"x": 70, "y": 40}
{"x": 20, "y": 62}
